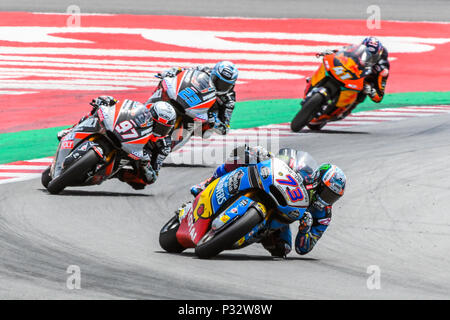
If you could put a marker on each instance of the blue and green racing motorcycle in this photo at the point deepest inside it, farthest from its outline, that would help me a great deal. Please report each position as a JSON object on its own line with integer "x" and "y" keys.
{"x": 237, "y": 209}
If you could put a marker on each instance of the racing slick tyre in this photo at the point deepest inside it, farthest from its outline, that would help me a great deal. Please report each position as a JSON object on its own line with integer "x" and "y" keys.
{"x": 168, "y": 236}
{"x": 210, "y": 247}
{"x": 316, "y": 127}
{"x": 79, "y": 169}
{"x": 45, "y": 177}
{"x": 307, "y": 112}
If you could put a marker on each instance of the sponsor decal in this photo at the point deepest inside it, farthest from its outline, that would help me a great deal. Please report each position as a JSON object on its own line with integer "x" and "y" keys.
{"x": 209, "y": 96}
{"x": 325, "y": 221}
{"x": 192, "y": 231}
{"x": 88, "y": 123}
{"x": 243, "y": 202}
{"x": 265, "y": 172}
{"x": 146, "y": 131}
{"x": 67, "y": 144}
{"x": 69, "y": 136}
{"x": 100, "y": 115}
{"x": 200, "y": 210}
{"x": 294, "y": 214}
{"x": 220, "y": 193}
{"x": 235, "y": 182}
{"x": 132, "y": 156}
{"x": 98, "y": 150}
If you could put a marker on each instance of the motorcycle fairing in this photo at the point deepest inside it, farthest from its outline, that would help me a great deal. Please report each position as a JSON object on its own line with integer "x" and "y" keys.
{"x": 343, "y": 67}
{"x": 192, "y": 91}
{"x": 121, "y": 120}
{"x": 72, "y": 140}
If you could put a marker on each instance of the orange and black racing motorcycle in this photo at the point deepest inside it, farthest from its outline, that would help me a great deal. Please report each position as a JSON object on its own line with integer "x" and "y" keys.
{"x": 333, "y": 89}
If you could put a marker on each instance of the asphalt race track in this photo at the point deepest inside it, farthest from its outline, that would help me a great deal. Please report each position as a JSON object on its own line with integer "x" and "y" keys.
{"x": 394, "y": 216}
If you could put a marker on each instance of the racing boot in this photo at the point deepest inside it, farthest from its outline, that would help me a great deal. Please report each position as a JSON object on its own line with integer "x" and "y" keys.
{"x": 276, "y": 246}
{"x": 196, "y": 189}
{"x": 130, "y": 177}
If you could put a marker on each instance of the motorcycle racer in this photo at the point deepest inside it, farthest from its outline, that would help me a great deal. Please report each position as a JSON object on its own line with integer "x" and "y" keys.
{"x": 161, "y": 119}
{"x": 375, "y": 82}
{"x": 223, "y": 77}
{"x": 326, "y": 185}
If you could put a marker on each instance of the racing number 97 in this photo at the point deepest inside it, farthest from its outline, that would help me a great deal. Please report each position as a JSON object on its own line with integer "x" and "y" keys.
{"x": 126, "y": 126}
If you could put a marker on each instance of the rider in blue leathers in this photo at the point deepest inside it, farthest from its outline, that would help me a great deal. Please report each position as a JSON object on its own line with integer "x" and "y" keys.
{"x": 326, "y": 185}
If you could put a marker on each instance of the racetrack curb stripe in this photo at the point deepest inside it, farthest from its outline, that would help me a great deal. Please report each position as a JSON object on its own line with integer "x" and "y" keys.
{"x": 31, "y": 169}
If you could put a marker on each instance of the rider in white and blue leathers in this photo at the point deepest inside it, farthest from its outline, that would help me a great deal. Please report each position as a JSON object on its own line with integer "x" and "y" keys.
{"x": 223, "y": 77}
{"x": 325, "y": 185}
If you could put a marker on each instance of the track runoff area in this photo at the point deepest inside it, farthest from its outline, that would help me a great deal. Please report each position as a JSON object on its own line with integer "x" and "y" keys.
{"x": 52, "y": 65}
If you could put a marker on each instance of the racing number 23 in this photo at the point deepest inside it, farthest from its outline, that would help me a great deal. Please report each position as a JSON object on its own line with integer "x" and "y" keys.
{"x": 190, "y": 97}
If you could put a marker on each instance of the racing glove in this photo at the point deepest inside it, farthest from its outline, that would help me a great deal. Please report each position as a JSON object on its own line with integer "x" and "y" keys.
{"x": 326, "y": 52}
{"x": 107, "y": 101}
{"x": 217, "y": 125}
{"x": 371, "y": 92}
{"x": 172, "y": 72}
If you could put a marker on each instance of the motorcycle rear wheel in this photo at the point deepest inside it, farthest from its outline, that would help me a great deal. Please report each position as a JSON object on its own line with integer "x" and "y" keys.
{"x": 226, "y": 238}
{"x": 306, "y": 114}
{"x": 79, "y": 169}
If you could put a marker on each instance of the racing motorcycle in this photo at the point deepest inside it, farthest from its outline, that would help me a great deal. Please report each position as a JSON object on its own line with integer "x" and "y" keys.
{"x": 98, "y": 147}
{"x": 191, "y": 94}
{"x": 238, "y": 209}
{"x": 332, "y": 91}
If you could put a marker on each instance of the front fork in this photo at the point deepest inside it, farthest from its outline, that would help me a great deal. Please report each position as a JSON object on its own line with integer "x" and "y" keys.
{"x": 328, "y": 104}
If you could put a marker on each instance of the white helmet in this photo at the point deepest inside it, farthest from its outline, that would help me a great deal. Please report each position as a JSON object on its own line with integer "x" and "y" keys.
{"x": 163, "y": 116}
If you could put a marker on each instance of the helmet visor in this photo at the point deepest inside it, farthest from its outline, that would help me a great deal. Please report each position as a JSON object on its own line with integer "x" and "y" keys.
{"x": 328, "y": 196}
{"x": 161, "y": 129}
{"x": 222, "y": 86}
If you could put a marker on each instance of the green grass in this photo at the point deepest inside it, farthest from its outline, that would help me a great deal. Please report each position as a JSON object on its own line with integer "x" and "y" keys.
{"x": 32, "y": 144}
{"x": 250, "y": 114}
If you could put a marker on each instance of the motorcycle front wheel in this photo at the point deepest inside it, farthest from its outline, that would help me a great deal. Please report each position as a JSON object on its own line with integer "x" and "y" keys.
{"x": 226, "y": 238}
{"x": 306, "y": 114}
{"x": 168, "y": 236}
{"x": 79, "y": 169}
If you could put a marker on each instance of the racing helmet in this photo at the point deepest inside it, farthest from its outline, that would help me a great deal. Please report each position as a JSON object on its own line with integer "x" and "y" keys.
{"x": 163, "y": 116}
{"x": 329, "y": 183}
{"x": 375, "y": 48}
{"x": 224, "y": 76}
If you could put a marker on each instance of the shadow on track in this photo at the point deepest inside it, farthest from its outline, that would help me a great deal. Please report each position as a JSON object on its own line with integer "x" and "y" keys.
{"x": 184, "y": 165}
{"x": 334, "y": 131}
{"x": 98, "y": 193}
{"x": 241, "y": 257}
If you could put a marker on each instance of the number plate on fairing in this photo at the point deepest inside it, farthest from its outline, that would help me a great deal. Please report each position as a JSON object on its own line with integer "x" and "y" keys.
{"x": 290, "y": 184}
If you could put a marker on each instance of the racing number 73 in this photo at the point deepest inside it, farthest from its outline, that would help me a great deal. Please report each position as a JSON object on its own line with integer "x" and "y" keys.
{"x": 126, "y": 126}
{"x": 293, "y": 194}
